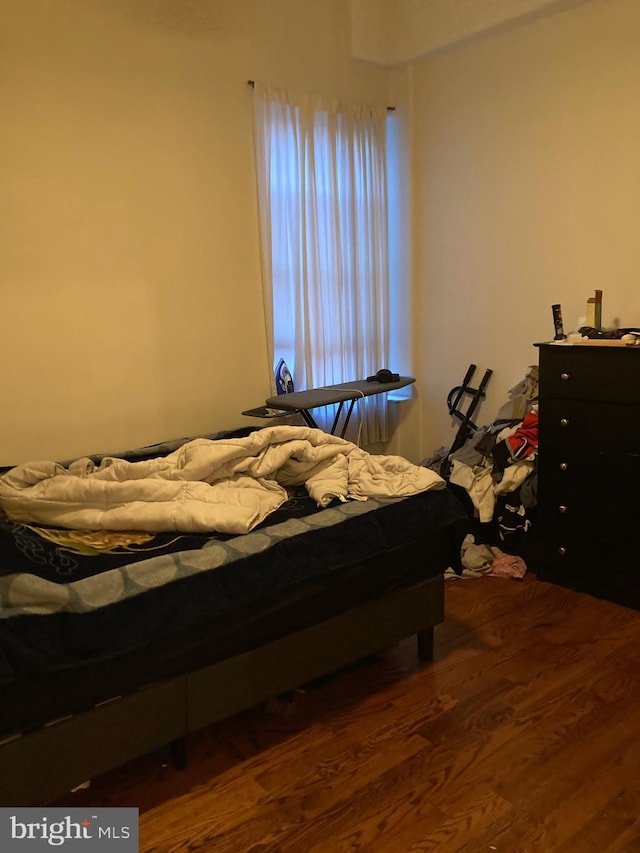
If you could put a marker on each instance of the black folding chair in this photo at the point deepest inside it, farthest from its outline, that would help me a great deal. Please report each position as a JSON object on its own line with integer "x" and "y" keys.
{"x": 462, "y": 394}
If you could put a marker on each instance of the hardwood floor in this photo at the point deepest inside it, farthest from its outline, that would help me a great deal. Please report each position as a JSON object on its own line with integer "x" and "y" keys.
{"x": 523, "y": 735}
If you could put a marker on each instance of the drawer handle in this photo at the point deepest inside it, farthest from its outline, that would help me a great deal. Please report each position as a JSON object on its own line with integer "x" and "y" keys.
{"x": 562, "y": 508}
{"x": 564, "y": 422}
{"x": 562, "y": 551}
{"x": 564, "y": 466}
{"x": 565, "y": 376}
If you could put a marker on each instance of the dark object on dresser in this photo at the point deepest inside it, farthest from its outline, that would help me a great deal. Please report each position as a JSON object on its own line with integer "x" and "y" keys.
{"x": 589, "y": 469}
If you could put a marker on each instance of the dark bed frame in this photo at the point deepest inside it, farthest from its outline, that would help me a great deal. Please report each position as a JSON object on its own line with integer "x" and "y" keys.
{"x": 38, "y": 766}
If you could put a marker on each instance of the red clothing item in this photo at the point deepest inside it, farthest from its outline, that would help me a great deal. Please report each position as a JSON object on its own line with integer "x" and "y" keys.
{"x": 524, "y": 440}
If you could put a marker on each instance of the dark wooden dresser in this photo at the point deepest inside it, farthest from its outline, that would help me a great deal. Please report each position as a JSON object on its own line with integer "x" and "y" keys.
{"x": 589, "y": 470}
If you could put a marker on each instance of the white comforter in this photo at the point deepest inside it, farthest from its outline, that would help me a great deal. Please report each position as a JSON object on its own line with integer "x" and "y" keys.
{"x": 228, "y": 485}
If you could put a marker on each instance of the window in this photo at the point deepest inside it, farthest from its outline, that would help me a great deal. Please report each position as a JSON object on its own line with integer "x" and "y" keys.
{"x": 322, "y": 189}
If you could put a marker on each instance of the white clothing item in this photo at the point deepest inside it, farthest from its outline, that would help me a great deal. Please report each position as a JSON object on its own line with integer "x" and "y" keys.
{"x": 481, "y": 488}
{"x": 514, "y": 476}
{"x": 478, "y": 483}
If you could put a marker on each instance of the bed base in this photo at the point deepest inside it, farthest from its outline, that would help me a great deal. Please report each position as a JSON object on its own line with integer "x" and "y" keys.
{"x": 44, "y": 764}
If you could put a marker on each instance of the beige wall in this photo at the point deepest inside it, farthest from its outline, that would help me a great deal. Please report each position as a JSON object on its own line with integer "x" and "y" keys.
{"x": 526, "y": 193}
{"x": 130, "y": 288}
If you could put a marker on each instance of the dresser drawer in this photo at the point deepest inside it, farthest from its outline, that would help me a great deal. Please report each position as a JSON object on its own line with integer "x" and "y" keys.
{"x": 596, "y": 481}
{"x": 580, "y": 426}
{"x": 592, "y": 564}
{"x": 598, "y": 373}
{"x": 587, "y": 566}
{"x": 572, "y": 518}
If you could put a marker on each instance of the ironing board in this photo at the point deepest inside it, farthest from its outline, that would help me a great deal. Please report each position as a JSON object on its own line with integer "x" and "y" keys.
{"x": 345, "y": 392}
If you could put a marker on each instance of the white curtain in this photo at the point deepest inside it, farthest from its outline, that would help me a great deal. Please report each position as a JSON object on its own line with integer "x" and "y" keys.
{"x": 322, "y": 196}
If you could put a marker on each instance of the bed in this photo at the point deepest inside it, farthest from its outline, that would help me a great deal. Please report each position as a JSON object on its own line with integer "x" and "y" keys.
{"x": 114, "y": 643}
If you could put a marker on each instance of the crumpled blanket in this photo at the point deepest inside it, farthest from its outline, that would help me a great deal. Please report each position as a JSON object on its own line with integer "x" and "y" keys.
{"x": 228, "y": 485}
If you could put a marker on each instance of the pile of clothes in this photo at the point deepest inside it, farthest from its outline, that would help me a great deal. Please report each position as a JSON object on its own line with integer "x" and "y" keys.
{"x": 496, "y": 468}
{"x": 478, "y": 560}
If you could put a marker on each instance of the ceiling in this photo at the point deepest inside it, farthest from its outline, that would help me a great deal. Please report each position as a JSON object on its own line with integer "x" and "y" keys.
{"x": 393, "y": 32}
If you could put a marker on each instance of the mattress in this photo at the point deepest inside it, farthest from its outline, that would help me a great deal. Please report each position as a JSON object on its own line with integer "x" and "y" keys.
{"x": 86, "y": 616}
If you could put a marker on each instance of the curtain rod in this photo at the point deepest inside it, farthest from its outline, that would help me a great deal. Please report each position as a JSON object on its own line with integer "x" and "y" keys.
{"x": 252, "y": 83}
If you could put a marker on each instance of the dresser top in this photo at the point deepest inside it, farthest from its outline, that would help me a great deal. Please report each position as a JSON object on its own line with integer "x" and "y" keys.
{"x": 589, "y": 345}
